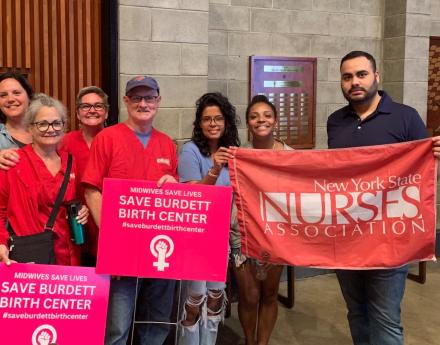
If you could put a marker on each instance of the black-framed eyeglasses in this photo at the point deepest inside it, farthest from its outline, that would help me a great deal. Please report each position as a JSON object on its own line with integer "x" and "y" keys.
{"x": 218, "y": 120}
{"x": 88, "y": 106}
{"x": 43, "y": 126}
{"x": 148, "y": 99}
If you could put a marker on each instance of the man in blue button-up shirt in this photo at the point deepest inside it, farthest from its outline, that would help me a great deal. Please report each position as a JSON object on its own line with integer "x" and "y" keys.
{"x": 373, "y": 297}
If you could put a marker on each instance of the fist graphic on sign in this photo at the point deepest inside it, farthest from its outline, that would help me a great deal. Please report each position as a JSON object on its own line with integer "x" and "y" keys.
{"x": 43, "y": 338}
{"x": 44, "y": 335}
{"x": 161, "y": 247}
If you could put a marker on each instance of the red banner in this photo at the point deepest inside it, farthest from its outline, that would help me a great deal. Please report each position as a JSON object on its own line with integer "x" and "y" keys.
{"x": 365, "y": 207}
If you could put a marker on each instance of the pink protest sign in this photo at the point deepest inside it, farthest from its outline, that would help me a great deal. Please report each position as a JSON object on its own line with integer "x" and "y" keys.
{"x": 178, "y": 231}
{"x": 45, "y": 304}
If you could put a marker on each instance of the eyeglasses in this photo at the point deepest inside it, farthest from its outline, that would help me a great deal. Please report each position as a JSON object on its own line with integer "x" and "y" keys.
{"x": 218, "y": 120}
{"x": 148, "y": 99}
{"x": 43, "y": 126}
{"x": 96, "y": 106}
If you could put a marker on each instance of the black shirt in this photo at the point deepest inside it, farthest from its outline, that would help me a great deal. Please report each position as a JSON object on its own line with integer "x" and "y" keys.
{"x": 391, "y": 123}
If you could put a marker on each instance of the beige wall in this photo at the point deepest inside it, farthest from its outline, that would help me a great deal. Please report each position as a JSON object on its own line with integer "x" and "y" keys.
{"x": 435, "y": 18}
{"x": 195, "y": 46}
{"x": 405, "y": 50}
{"x": 167, "y": 39}
{"x": 326, "y": 30}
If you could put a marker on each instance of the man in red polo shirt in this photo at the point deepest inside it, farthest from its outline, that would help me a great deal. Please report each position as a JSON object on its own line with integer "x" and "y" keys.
{"x": 133, "y": 150}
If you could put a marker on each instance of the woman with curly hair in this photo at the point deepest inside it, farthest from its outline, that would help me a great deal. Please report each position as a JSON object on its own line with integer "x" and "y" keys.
{"x": 203, "y": 161}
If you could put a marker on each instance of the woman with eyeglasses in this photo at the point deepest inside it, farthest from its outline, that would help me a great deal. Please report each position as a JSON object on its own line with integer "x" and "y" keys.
{"x": 258, "y": 282}
{"x": 29, "y": 189}
{"x": 15, "y": 95}
{"x": 91, "y": 111}
{"x": 203, "y": 161}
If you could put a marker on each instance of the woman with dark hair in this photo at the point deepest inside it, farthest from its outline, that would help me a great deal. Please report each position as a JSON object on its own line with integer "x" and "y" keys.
{"x": 258, "y": 282}
{"x": 15, "y": 95}
{"x": 203, "y": 160}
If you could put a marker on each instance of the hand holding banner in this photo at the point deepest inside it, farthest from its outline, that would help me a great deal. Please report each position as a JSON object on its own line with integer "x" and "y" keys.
{"x": 364, "y": 207}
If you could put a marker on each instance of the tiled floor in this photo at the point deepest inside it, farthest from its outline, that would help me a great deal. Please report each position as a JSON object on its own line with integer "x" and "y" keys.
{"x": 319, "y": 314}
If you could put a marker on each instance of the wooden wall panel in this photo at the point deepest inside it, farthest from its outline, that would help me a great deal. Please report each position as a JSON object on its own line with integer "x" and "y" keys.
{"x": 433, "y": 119}
{"x": 56, "y": 42}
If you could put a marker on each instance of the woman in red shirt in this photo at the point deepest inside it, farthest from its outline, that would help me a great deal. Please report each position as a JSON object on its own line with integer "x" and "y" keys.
{"x": 92, "y": 111}
{"x": 29, "y": 189}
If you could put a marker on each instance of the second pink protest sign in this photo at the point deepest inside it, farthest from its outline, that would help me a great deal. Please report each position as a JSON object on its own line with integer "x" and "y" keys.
{"x": 178, "y": 231}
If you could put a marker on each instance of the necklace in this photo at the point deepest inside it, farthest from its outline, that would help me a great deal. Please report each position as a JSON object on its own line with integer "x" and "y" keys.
{"x": 274, "y": 144}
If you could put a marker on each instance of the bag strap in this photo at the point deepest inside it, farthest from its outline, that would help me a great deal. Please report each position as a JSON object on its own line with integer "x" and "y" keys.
{"x": 9, "y": 228}
{"x": 50, "y": 223}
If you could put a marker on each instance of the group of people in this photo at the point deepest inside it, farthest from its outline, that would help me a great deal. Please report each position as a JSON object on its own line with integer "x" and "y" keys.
{"x": 34, "y": 153}
{"x": 33, "y": 157}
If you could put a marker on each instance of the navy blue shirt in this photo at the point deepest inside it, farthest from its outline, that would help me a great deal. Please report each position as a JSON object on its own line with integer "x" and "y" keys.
{"x": 391, "y": 123}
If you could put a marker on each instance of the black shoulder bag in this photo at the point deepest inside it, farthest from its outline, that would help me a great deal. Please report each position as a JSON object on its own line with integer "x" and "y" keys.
{"x": 39, "y": 248}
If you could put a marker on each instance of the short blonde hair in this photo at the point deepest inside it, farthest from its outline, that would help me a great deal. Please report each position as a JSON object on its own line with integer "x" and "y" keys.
{"x": 91, "y": 89}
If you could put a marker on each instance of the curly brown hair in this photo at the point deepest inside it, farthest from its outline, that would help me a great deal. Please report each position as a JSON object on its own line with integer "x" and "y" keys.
{"x": 230, "y": 136}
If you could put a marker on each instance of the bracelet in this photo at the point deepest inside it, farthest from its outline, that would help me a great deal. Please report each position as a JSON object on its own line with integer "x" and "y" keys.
{"x": 212, "y": 174}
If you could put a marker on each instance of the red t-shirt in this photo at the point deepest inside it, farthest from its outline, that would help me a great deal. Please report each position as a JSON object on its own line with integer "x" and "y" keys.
{"x": 116, "y": 152}
{"x": 74, "y": 143}
{"x": 27, "y": 195}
